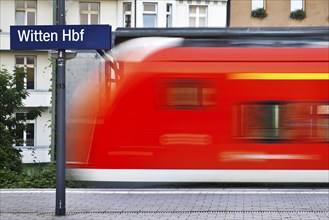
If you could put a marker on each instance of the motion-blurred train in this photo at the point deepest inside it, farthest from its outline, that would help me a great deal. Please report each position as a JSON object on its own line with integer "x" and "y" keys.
{"x": 173, "y": 110}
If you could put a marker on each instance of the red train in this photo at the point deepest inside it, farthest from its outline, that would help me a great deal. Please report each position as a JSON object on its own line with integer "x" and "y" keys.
{"x": 174, "y": 113}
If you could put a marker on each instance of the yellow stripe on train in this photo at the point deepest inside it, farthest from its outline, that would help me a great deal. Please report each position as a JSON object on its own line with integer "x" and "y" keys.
{"x": 280, "y": 76}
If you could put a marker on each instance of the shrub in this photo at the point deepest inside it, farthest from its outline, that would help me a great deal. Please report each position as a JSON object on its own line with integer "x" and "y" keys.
{"x": 298, "y": 14}
{"x": 11, "y": 179}
{"x": 258, "y": 13}
{"x": 46, "y": 178}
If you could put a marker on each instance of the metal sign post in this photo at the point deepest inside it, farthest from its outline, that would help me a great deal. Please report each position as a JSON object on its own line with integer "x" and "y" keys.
{"x": 61, "y": 137}
{"x": 61, "y": 122}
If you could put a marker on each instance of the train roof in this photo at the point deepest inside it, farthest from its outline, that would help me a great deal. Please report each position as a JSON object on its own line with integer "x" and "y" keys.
{"x": 227, "y": 36}
{"x": 160, "y": 49}
{"x": 135, "y": 44}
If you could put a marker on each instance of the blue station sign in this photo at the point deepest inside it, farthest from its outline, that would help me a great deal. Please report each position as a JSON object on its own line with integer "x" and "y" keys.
{"x": 80, "y": 37}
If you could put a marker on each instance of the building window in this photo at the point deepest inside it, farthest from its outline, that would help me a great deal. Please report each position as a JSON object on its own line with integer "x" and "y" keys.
{"x": 24, "y": 130}
{"x": 296, "y": 5}
{"x": 89, "y": 13}
{"x": 25, "y": 12}
{"x": 169, "y": 16}
{"x": 25, "y": 67}
{"x": 149, "y": 14}
{"x": 197, "y": 16}
{"x": 127, "y": 14}
{"x": 297, "y": 9}
{"x": 256, "y": 4}
{"x": 189, "y": 94}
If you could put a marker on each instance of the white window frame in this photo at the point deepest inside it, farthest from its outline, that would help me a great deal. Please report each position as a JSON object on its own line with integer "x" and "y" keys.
{"x": 296, "y": 5}
{"x": 256, "y": 4}
{"x": 169, "y": 14}
{"x": 26, "y": 66}
{"x": 197, "y": 15}
{"x": 154, "y": 13}
{"x": 127, "y": 13}
{"x": 89, "y": 12}
{"x": 24, "y": 135}
{"x": 26, "y": 10}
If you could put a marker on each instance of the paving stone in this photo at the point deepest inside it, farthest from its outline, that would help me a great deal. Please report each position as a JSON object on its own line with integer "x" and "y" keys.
{"x": 167, "y": 204}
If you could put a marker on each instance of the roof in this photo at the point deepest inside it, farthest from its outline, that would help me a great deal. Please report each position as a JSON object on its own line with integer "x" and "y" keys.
{"x": 309, "y": 34}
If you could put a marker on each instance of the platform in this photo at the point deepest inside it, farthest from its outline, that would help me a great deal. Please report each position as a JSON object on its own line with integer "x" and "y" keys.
{"x": 161, "y": 204}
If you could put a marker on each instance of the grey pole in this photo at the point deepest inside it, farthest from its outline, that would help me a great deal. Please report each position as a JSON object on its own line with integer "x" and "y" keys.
{"x": 228, "y": 13}
{"x": 61, "y": 137}
{"x": 53, "y": 93}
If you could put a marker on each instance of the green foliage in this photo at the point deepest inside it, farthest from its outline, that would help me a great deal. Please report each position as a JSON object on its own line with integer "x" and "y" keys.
{"x": 46, "y": 178}
{"x": 298, "y": 14}
{"x": 10, "y": 158}
{"x": 11, "y": 179}
{"x": 259, "y": 13}
{"x": 11, "y": 98}
{"x": 12, "y": 94}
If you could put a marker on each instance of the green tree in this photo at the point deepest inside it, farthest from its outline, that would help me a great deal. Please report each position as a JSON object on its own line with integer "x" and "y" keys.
{"x": 12, "y": 94}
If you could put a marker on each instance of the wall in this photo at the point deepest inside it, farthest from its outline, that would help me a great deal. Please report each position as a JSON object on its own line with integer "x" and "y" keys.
{"x": 317, "y": 14}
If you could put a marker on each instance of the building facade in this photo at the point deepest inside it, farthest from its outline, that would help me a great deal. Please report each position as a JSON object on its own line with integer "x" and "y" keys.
{"x": 36, "y": 138}
{"x": 148, "y": 13}
{"x": 279, "y": 13}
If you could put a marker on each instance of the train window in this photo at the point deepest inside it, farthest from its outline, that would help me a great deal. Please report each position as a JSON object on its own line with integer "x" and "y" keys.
{"x": 288, "y": 121}
{"x": 309, "y": 121}
{"x": 182, "y": 96}
{"x": 189, "y": 94}
{"x": 261, "y": 121}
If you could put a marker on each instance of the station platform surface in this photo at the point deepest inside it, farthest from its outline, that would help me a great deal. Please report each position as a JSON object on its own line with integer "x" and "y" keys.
{"x": 158, "y": 204}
